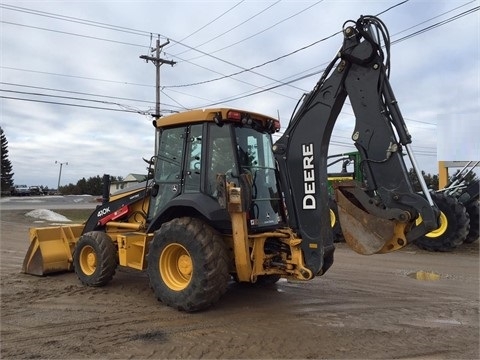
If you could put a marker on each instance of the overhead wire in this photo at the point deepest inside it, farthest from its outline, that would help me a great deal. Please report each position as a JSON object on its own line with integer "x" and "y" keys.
{"x": 74, "y": 76}
{"x": 256, "y": 66}
{"x": 290, "y": 53}
{"x": 69, "y": 98}
{"x": 71, "y": 34}
{"x": 74, "y": 92}
{"x": 209, "y": 23}
{"x": 432, "y": 18}
{"x": 77, "y": 20}
{"x": 440, "y": 23}
{"x": 70, "y": 104}
{"x": 265, "y": 63}
{"x": 268, "y": 88}
{"x": 138, "y": 32}
{"x": 118, "y": 28}
{"x": 258, "y": 32}
{"x": 113, "y": 41}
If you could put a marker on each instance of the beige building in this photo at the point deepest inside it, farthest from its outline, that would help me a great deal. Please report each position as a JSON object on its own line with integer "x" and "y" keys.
{"x": 129, "y": 181}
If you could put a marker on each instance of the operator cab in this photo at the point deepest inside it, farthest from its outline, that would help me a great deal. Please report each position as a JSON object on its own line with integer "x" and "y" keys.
{"x": 196, "y": 146}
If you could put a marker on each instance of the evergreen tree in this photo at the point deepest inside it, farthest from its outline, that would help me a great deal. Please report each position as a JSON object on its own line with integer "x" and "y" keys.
{"x": 430, "y": 180}
{"x": 7, "y": 174}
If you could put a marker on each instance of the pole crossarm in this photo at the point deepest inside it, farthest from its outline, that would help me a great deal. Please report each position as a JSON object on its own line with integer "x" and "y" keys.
{"x": 157, "y": 61}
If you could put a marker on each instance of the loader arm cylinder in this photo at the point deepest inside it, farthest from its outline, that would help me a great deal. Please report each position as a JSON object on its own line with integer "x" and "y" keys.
{"x": 421, "y": 180}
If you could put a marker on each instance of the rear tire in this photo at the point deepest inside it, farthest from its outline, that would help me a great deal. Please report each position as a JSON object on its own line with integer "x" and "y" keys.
{"x": 95, "y": 258}
{"x": 188, "y": 265}
{"x": 474, "y": 211}
{"x": 453, "y": 229}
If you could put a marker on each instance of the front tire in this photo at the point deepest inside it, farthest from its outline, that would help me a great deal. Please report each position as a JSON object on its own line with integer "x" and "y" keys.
{"x": 95, "y": 258}
{"x": 454, "y": 225}
{"x": 188, "y": 265}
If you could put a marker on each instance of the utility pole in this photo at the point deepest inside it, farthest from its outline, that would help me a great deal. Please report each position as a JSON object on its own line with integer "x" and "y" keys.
{"x": 157, "y": 61}
{"x": 60, "y": 174}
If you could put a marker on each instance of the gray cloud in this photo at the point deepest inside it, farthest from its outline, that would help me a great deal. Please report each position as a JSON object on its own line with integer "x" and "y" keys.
{"x": 433, "y": 74}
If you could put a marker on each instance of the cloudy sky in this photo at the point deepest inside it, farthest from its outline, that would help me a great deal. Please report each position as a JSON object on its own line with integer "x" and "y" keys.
{"x": 73, "y": 88}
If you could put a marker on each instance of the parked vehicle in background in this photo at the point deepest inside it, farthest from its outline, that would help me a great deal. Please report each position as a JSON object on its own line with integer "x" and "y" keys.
{"x": 20, "y": 190}
{"x": 36, "y": 190}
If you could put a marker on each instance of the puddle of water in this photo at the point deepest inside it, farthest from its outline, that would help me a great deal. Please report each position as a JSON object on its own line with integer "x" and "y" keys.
{"x": 425, "y": 275}
{"x": 447, "y": 321}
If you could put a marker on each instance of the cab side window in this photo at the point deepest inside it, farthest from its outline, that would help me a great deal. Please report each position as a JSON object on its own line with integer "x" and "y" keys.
{"x": 194, "y": 159}
{"x": 221, "y": 158}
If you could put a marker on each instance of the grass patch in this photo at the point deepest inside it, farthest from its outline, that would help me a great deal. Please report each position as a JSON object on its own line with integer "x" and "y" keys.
{"x": 76, "y": 215}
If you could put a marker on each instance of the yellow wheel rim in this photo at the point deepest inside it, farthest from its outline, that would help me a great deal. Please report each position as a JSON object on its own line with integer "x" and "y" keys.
{"x": 88, "y": 260}
{"x": 176, "y": 267}
{"x": 440, "y": 230}
{"x": 333, "y": 218}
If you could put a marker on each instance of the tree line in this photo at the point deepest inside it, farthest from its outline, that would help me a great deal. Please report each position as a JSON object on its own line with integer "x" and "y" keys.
{"x": 91, "y": 186}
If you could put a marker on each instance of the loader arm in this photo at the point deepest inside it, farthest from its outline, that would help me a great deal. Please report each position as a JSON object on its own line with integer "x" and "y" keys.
{"x": 378, "y": 217}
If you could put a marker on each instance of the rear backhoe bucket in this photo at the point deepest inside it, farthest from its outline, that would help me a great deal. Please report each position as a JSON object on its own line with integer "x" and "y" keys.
{"x": 368, "y": 234}
{"x": 51, "y": 249}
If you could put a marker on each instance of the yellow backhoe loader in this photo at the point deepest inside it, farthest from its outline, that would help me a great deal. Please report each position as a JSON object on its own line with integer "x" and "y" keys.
{"x": 225, "y": 202}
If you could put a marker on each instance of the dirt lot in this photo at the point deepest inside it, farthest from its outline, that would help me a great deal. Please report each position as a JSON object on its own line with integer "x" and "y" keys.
{"x": 364, "y": 307}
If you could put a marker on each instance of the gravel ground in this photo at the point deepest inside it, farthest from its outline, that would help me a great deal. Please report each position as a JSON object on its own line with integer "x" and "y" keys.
{"x": 365, "y": 307}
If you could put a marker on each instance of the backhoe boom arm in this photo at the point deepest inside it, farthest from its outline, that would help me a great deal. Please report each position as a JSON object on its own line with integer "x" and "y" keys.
{"x": 380, "y": 215}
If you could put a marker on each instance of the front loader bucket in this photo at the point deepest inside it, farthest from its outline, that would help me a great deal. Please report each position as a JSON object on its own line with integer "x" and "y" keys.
{"x": 51, "y": 249}
{"x": 368, "y": 234}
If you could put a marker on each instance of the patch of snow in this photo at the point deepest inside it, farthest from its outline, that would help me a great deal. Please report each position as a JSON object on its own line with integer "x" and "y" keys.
{"x": 48, "y": 215}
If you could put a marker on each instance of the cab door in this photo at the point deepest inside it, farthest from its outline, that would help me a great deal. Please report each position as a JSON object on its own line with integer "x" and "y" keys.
{"x": 168, "y": 178}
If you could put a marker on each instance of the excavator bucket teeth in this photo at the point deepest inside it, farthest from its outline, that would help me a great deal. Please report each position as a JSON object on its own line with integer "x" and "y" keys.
{"x": 368, "y": 234}
{"x": 50, "y": 249}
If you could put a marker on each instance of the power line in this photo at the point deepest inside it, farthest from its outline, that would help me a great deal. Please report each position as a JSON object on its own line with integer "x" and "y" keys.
{"x": 75, "y": 105}
{"x": 211, "y": 22}
{"x": 63, "y": 97}
{"x": 76, "y": 20}
{"x": 289, "y": 54}
{"x": 435, "y": 17}
{"x": 232, "y": 28}
{"x": 117, "y": 28}
{"x": 75, "y": 92}
{"x": 257, "y": 65}
{"x": 70, "y": 33}
{"x": 392, "y": 7}
{"x": 74, "y": 76}
{"x": 440, "y": 23}
{"x": 259, "y": 32}
{"x": 107, "y": 26}
{"x": 235, "y": 98}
